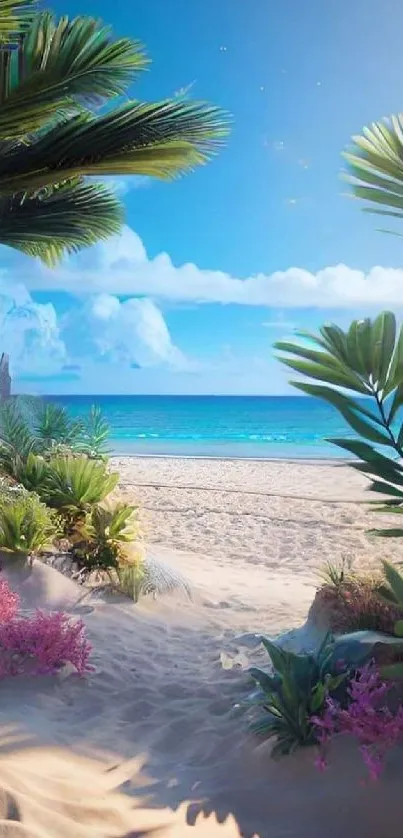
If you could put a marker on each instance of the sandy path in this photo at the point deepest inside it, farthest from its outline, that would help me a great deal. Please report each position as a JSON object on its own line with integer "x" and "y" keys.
{"x": 170, "y": 673}
{"x": 285, "y": 516}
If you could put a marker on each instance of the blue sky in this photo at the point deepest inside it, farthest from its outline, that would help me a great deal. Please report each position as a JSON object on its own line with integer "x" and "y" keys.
{"x": 213, "y": 268}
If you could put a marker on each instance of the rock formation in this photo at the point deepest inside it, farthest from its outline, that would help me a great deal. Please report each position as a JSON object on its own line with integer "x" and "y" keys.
{"x": 5, "y": 378}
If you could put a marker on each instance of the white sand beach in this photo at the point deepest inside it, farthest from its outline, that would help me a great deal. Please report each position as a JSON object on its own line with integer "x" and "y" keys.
{"x": 250, "y": 537}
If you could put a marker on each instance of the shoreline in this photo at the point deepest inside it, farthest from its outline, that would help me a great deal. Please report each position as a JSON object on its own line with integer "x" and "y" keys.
{"x": 319, "y": 461}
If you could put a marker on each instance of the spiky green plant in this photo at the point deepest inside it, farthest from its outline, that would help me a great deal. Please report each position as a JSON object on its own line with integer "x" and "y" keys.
{"x": 367, "y": 360}
{"x": 26, "y": 525}
{"x": 375, "y": 169}
{"x": 74, "y": 485}
{"x": 293, "y": 695}
{"x": 146, "y": 575}
{"x": 94, "y": 434}
{"x": 104, "y": 532}
{"x": 52, "y": 426}
{"x": 54, "y": 75}
{"x": 336, "y": 573}
{"x": 16, "y": 438}
{"x": 31, "y": 472}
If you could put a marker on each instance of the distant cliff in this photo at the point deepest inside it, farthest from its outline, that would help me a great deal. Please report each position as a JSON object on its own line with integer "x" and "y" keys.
{"x": 5, "y": 377}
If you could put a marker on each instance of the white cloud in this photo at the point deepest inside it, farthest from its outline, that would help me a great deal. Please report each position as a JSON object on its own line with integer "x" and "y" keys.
{"x": 121, "y": 266}
{"x": 123, "y": 185}
{"x": 29, "y": 332}
{"x": 133, "y": 332}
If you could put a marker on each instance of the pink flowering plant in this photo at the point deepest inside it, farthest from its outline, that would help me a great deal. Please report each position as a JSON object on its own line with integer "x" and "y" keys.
{"x": 366, "y": 716}
{"x": 41, "y": 644}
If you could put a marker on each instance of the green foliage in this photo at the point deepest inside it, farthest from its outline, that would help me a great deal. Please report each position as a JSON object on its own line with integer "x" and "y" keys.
{"x": 104, "y": 531}
{"x": 16, "y": 438}
{"x": 94, "y": 434}
{"x": 52, "y": 427}
{"x": 336, "y": 573}
{"x": 52, "y": 137}
{"x": 293, "y": 695}
{"x": 130, "y": 579}
{"x": 367, "y": 360}
{"x": 32, "y": 427}
{"x": 149, "y": 576}
{"x": 75, "y": 484}
{"x": 375, "y": 167}
{"x": 26, "y": 525}
{"x": 393, "y": 590}
{"x": 31, "y": 473}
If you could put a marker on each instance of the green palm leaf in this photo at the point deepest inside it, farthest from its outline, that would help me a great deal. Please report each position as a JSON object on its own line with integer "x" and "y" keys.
{"x": 15, "y": 18}
{"x": 375, "y": 166}
{"x": 161, "y": 140}
{"x": 60, "y": 61}
{"x": 59, "y": 219}
{"x": 50, "y": 139}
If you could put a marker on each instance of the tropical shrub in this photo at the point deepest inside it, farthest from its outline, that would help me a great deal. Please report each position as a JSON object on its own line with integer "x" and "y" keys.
{"x": 294, "y": 695}
{"x": 30, "y": 427}
{"x": 335, "y": 574}
{"x": 31, "y": 472}
{"x": 354, "y": 604}
{"x": 128, "y": 577}
{"x": 144, "y": 575}
{"x": 74, "y": 485}
{"x": 52, "y": 427}
{"x": 94, "y": 435}
{"x": 102, "y": 535}
{"x": 26, "y": 525}
{"x": 366, "y": 360}
{"x": 366, "y": 716}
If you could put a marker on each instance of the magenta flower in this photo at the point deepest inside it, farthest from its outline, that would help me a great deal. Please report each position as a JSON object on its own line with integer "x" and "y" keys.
{"x": 367, "y": 718}
{"x": 41, "y": 644}
{"x": 9, "y": 602}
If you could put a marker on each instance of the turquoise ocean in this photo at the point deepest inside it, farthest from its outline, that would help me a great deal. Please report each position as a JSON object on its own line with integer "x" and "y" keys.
{"x": 285, "y": 427}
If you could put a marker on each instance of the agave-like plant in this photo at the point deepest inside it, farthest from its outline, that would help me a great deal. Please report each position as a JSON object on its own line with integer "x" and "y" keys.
{"x": 375, "y": 167}
{"x": 16, "y": 438}
{"x": 94, "y": 434}
{"x": 74, "y": 485}
{"x": 106, "y": 528}
{"x": 26, "y": 525}
{"x": 54, "y": 75}
{"x": 52, "y": 426}
{"x": 293, "y": 695}
{"x": 366, "y": 360}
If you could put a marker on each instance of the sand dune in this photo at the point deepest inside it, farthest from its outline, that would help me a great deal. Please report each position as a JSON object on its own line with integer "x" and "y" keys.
{"x": 161, "y": 707}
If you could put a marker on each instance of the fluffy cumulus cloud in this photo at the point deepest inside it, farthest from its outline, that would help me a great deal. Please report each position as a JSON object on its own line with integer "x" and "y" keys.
{"x": 132, "y": 332}
{"x": 29, "y": 332}
{"x": 121, "y": 266}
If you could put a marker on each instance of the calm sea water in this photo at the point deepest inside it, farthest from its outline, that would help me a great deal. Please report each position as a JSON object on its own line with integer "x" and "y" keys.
{"x": 222, "y": 426}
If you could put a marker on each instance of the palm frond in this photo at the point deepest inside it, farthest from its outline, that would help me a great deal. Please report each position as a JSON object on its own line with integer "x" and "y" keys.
{"x": 375, "y": 167}
{"x": 62, "y": 60}
{"x": 15, "y": 18}
{"x": 161, "y": 140}
{"x": 60, "y": 219}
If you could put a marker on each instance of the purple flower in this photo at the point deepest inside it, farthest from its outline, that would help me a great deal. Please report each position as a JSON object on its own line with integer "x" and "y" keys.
{"x": 367, "y": 718}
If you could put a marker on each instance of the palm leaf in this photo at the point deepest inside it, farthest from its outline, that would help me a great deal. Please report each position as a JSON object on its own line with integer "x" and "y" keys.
{"x": 161, "y": 140}
{"x": 60, "y": 61}
{"x": 60, "y": 219}
{"x": 375, "y": 166}
{"x": 15, "y": 18}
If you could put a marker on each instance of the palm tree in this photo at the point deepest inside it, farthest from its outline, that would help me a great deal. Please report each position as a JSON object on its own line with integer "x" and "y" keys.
{"x": 375, "y": 167}
{"x": 56, "y": 77}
